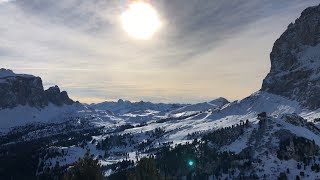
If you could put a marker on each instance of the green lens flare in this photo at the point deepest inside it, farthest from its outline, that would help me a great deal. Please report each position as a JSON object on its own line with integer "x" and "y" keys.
{"x": 190, "y": 163}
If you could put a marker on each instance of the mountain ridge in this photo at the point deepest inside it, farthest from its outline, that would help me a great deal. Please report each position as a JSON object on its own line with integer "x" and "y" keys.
{"x": 295, "y": 61}
{"x": 22, "y": 89}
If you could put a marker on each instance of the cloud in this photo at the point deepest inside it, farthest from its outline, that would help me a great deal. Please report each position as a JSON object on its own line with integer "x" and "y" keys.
{"x": 203, "y": 50}
{"x": 5, "y": 1}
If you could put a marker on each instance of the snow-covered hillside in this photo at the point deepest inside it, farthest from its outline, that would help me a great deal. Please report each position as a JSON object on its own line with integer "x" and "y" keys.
{"x": 23, "y": 100}
{"x": 133, "y": 133}
{"x": 283, "y": 116}
{"x": 23, "y": 115}
{"x": 113, "y": 137}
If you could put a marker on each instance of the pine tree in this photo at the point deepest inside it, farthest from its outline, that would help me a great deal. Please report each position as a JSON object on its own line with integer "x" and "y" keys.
{"x": 145, "y": 170}
{"x": 85, "y": 169}
{"x": 283, "y": 176}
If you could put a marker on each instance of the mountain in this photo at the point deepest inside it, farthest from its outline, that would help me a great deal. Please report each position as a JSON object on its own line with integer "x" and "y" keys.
{"x": 219, "y": 102}
{"x": 295, "y": 61}
{"x": 23, "y": 100}
{"x": 123, "y": 107}
{"x": 212, "y": 105}
{"x": 143, "y": 112}
{"x": 21, "y": 89}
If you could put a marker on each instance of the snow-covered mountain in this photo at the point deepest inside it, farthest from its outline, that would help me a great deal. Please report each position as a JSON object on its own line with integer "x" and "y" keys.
{"x": 205, "y": 106}
{"x": 123, "y": 107}
{"x": 295, "y": 61}
{"x": 21, "y": 89}
{"x": 273, "y": 133}
{"x": 143, "y": 112}
{"x": 23, "y": 100}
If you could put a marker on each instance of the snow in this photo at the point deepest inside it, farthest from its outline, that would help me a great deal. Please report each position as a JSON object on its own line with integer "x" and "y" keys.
{"x": 300, "y": 131}
{"x": 230, "y": 114}
{"x": 219, "y": 102}
{"x": 272, "y": 167}
{"x": 125, "y": 107}
{"x": 214, "y": 104}
{"x": 22, "y": 115}
{"x": 240, "y": 144}
{"x": 309, "y": 57}
{"x": 182, "y": 121}
{"x": 73, "y": 154}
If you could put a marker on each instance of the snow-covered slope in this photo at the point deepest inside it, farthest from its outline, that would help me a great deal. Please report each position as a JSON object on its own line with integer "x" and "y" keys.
{"x": 284, "y": 118}
{"x": 212, "y": 105}
{"x": 249, "y": 133}
{"x": 23, "y": 100}
{"x": 23, "y": 115}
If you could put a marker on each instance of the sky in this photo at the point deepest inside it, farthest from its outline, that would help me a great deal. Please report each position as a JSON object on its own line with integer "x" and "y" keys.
{"x": 205, "y": 48}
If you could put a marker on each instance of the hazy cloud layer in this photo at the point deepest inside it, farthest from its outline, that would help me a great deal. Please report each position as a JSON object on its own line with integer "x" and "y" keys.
{"x": 206, "y": 48}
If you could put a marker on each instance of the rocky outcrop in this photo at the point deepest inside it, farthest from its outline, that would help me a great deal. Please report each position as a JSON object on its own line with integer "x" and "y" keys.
{"x": 21, "y": 89}
{"x": 295, "y": 61}
{"x": 56, "y": 97}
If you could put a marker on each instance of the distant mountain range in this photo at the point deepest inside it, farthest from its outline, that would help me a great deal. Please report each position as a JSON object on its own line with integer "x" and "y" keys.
{"x": 123, "y": 107}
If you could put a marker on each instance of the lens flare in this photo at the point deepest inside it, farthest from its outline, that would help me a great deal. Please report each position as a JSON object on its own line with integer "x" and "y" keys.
{"x": 140, "y": 20}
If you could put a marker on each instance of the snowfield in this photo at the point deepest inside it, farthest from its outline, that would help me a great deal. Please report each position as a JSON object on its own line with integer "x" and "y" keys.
{"x": 156, "y": 126}
{"x": 22, "y": 115}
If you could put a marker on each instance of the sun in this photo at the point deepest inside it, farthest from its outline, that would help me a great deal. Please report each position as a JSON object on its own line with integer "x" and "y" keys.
{"x": 140, "y": 20}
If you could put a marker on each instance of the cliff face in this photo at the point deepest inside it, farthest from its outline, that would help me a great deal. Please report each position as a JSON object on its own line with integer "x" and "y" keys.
{"x": 295, "y": 61}
{"x": 56, "y": 97}
{"x": 20, "y": 89}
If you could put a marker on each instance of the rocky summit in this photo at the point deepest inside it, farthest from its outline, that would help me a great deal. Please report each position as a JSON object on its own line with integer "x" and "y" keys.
{"x": 21, "y": 89}
{"x": 295, "y": 61}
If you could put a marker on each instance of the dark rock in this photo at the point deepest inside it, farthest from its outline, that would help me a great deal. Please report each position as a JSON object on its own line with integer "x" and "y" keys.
{"x": 295, "y": 61}
{"x": 19, "y": 89}
{"x": 56, "y": 97}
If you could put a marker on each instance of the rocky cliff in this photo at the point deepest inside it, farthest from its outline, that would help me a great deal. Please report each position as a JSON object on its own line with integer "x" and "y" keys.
{"x": 295, "y": 61}
{"x": 21, "y": 89}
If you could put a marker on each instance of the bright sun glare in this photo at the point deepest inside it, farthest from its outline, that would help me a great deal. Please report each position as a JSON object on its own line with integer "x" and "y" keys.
{"x": 140, "y": 20}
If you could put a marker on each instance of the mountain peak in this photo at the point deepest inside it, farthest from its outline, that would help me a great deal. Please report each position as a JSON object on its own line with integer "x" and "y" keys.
{"x": 310, "y": 11}
{"x": 21, "y": 89}
{"x": 295, "y": 61}
{"x": 9, "y": 73}
{"x": 6, "y": 72}
{"x": 219, "y": 101}
{"x": 120, "y": 101}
